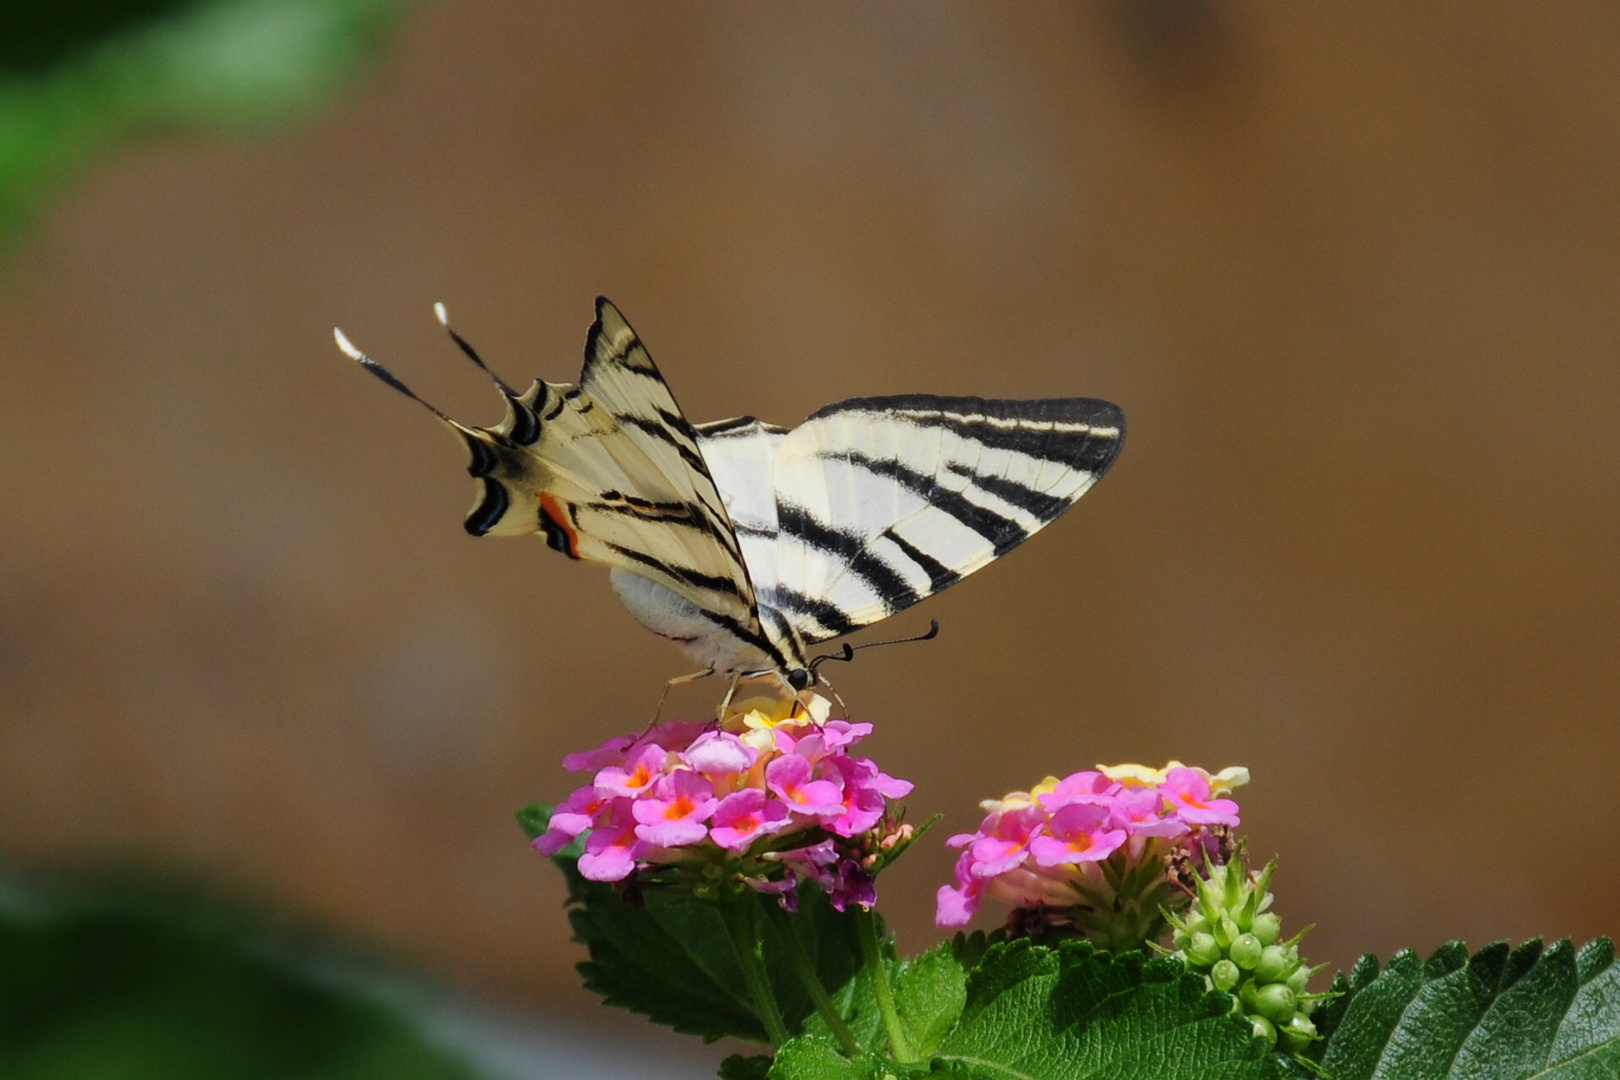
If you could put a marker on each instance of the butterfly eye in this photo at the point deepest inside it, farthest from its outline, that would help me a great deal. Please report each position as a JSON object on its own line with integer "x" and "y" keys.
{"x": 799, "y": 679}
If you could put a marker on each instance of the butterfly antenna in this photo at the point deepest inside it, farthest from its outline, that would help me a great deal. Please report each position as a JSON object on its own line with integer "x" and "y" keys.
{"x": 849, "y": 650}
{"x": 470, "y": 352}
{"x": 385, "y": 375}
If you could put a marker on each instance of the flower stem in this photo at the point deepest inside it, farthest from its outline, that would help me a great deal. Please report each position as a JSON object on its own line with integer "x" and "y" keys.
{"x": 738, "y": 914}
{"x": 806, "y": 971}
{"x": 899, "y": 1044}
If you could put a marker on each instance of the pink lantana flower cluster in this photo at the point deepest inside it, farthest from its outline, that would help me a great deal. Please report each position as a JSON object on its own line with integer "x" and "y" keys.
{"x": 772, "y": 801}
{"x": 1099, "y": 853}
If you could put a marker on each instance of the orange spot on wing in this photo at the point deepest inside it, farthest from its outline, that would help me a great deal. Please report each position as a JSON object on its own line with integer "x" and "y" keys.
{"x": 559, "y": 517}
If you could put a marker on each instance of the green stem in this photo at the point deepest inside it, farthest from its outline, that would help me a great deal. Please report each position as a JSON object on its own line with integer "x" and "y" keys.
{"x": 899, "y": 1044}
{"x": 806, "y": 970}
{"x": 737, "y": 912}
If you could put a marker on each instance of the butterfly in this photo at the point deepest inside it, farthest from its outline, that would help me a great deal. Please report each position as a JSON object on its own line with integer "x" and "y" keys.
{"x": 746, "y": 543}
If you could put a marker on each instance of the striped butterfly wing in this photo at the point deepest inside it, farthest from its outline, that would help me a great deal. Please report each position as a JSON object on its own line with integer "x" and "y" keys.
{"x": 685, "y": 538}
{"x": 881, "y": 502}
{"x": 609, "y": 471}
{"x": 741, "y": 454}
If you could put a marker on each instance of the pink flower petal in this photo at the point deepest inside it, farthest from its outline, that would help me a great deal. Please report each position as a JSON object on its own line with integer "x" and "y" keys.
{"x": 720, "y": 752}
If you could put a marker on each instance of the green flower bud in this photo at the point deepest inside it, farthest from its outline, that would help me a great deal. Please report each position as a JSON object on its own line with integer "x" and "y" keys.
{"x": 1267, "y": 927}
{"x": 1296, "y": 1035}
{"x": 1245, "y": 914}
{"x": 1275, "y": 1003}
{"x": 1196, "y": 923}
{"x": 1225, "y": 975}
{"x": 1246, "y": 951}
{"x": 1263, "y": 1029}
{"x": 1299, "y": 978}
{"x": 1232, "y": 895}
{"x": 1276, "y": 961}
{"x": 1246, "y": 995}
{"x": 1179, "y": 941}
{"x": 1202, "y": 950}
{"x": 1226, "y": 932}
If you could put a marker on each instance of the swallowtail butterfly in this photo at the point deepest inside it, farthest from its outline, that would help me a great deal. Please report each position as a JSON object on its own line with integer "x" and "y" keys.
{"x": 746, "y": 543}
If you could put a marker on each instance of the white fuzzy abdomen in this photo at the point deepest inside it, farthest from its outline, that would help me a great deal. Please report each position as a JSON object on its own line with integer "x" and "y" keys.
{"x": 672, "y": 616}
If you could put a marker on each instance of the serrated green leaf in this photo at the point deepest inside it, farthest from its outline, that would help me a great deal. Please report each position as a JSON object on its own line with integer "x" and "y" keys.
{"x": 1074, "y": 1013}
{"x": 929, "y": 992}
{"x": 745, "y": 1067}
{"x": 969, "y": 949}
{"x": 813, "y": 1057}
{"x": 670, "y": 959}
{"x": 1496, "y": 1015}
{"x": 534, "y": 819}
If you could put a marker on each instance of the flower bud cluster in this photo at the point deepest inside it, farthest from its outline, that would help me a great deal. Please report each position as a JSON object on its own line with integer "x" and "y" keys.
{"x": 1093, "y": 853}
{"x": 773, "y": 801}
{"x": 1232, "y": 938}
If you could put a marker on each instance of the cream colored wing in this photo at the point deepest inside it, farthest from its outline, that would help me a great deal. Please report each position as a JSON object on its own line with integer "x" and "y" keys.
{"x": 608, "y": 471}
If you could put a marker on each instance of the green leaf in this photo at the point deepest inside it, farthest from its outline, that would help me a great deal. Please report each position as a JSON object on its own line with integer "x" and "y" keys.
{"x": 813, "y": 1057}
{"x": 745, "y": 1067}
{"x": 1499, "y": 1015}
{"x": 129, "y": 979}
{"x": 534, "y": 819}
{"x": 929, "y": 992}
{"x": 78, "y": 75}
{"x": 1072, "y": 1012}
{"x": 669, "y": 959}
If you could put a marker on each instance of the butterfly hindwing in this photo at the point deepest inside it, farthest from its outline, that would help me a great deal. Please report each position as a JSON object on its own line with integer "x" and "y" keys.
{"x": 609, "y": 471}
{"x": 884, "y": 501}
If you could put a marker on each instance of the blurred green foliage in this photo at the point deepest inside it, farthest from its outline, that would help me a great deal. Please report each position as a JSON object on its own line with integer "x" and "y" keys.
{"x": 123, "y": 982}
{"x": 78, "y": 75}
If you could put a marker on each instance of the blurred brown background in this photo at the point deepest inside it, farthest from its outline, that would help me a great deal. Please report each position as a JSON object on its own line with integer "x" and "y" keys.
{"x": 1353, "y": 277}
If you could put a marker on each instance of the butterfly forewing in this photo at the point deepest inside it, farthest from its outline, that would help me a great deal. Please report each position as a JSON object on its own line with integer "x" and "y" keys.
{"x": 885, "y": 501}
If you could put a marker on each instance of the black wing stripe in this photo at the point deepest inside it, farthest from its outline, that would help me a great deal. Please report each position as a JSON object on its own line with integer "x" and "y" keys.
{"x": 695, "y": 578}
{"x": 657, "y": 430}
{"x": 825, "y": 612}
{"x": 623, "y": 357}
{"x": 681, "y": 515}
{"x": 1083, "y": 433}
{"x": 940, "y": 576}
{"x": 886, "y": 581}
{"x": 678, "y": 422}
{"x": 1077, "y": 450}
{"x": 1037, "y": 503}
{"x": 751, "y": 636}
{"x": 482, "y": 459}
{"x": 987, "y": 523}
{"x": 721, "y": 429}
{"x": 645, "y": 504}
{"x": 490, "y": 510}
{"x": 525, "y": 424}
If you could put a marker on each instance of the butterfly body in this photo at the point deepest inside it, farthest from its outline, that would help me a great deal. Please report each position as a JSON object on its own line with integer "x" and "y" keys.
{"x": 745, "y": 543}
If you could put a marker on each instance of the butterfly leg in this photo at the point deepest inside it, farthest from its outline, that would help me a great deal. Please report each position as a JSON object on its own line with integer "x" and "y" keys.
{"x": 672, "y": 684}
{"x": 731, "y": 690}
